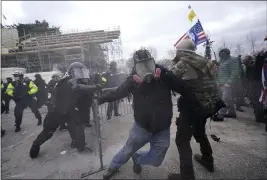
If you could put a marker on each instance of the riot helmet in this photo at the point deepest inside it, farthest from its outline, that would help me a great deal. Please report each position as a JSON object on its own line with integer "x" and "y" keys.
{"x": 18, "y": 75}
{"x": 79, "y": 72}
{"x": 144, "y": 65}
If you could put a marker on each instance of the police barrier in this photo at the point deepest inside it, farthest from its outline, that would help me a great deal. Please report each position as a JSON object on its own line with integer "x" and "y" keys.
{"x": 100, "y": 117}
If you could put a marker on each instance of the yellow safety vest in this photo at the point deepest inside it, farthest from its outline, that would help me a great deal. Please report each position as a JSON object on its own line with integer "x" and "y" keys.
{"x": 32, "y": 86}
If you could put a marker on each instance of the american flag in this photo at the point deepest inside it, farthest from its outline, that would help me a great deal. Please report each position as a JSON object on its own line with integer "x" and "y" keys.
{"x": 196, "y": 33}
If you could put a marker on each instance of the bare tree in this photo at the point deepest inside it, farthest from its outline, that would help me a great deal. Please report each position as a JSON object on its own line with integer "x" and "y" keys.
{"x": 172, "y": 53}
{"x": 165, "y": 63}
{"x": 251, "y": 39}
{"x": 239, "y": 49}
{"x": 223, "y": 44}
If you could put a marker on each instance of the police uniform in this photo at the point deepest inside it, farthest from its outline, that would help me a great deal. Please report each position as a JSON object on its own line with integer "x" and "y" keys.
{"x": 63, "y": 108}
{"x": 111, "y": 81}
{"x": 22, "y": 93}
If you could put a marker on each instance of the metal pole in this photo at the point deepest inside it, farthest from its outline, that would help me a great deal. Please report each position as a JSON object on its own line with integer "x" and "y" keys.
{"x": 98, "y": 134}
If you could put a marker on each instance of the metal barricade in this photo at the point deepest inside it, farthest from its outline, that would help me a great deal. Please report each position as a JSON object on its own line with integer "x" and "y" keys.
{"x": 100, "y": 118}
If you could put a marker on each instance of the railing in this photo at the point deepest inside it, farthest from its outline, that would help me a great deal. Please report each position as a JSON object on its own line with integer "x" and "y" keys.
{"x": 100, "y": 113}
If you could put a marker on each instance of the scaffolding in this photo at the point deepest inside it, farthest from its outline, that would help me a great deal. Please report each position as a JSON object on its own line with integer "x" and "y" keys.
{"x": 42, "y": 52}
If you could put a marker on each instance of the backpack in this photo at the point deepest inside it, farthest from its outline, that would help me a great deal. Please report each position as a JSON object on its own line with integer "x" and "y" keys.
{"x": 206, "y": 89}
{"x": 212, "y": 101}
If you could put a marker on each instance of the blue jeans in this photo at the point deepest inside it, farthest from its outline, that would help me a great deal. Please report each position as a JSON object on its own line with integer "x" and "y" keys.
{"x": 138, "y": 137}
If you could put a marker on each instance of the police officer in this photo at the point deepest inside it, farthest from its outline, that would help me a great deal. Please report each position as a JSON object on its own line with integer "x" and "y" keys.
{"x": 68, "y": 91}
{"x": 22, "y": 92}
{"x": 151, "y": 86}
{"x": 112, "y": 81}
{"x": 199, "y": 75}
{"x": 50, "y": 88}
{"x": 41, "y": 95}
{"x": 2, "y": 109}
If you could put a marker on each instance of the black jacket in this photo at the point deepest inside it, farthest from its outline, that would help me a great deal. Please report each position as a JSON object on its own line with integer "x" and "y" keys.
{"x": 40, "y": 83}
{"x": 112, "y": 80}
{"x": 64, "y": 98}
{"x": 152, "y": 102}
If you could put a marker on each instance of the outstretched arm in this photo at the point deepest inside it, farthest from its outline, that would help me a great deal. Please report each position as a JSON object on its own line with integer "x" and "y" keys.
{"x": 118, "y": 93}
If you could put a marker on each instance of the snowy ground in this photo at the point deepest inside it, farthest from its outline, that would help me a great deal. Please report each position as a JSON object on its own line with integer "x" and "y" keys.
{"x": 241, "y": 154}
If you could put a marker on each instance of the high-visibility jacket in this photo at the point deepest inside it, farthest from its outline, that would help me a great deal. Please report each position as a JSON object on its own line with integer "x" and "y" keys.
{"x": 104, "y": 80}
{"x": 19, "y": 88}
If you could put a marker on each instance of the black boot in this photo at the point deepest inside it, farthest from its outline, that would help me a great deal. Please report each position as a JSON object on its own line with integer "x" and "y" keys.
{"x": 136, "y": 167}
{"x": 109, "y": 173}
{"x": 206, "y": 162}
{"x": 17, "y": 129}
{"x": 84, "y": 149}
{"x": 63, "y": 128}
{"x": 34, "y": 151}
{"x": 216, "y": 118}
{"x": 174, "y": 176}
{"x": 229, "y": 115}
{"x": 73, "y": 144}
{"x": 39, "y": 122}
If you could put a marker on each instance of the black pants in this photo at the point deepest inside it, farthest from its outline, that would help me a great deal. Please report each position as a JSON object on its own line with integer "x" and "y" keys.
{"x": 85, "y": 112}
{"x": 23, "y": 104}
{"x": 254, "y": 95}
{"x": 2, "y": 111}
{"x": 41, "y": 99}
{"x": 6, "y": 100}
{"x": 113, "y": 106}
{"x": 188, "y": 126}
{"x": 52, "y": 121}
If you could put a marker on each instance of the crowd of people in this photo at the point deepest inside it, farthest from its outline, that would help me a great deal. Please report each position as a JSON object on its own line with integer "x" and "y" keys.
{"x": 242, "y": 82}
{"x": 207, "y": 90}
{"x": 37, "y": 93}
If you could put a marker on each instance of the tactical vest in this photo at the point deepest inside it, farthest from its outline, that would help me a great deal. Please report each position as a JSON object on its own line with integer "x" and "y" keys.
{"x": 205, "y": 86}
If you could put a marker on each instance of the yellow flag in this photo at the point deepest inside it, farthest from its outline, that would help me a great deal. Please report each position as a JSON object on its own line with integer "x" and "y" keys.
{"x": 191, "y": 15}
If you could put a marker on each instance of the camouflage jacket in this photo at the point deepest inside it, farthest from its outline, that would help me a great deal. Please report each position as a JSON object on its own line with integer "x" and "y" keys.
{"x": 200, "y": 74}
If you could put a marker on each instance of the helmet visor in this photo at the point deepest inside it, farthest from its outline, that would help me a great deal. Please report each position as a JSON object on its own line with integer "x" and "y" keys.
{"x": 80, "y": 73}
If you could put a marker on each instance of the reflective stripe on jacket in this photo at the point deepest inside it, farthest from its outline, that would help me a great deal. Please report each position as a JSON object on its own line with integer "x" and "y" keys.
{"x": 32, "y": 89}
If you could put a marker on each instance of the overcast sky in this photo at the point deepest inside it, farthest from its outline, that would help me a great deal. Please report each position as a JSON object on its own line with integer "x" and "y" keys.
{"x": 157, "y": 24}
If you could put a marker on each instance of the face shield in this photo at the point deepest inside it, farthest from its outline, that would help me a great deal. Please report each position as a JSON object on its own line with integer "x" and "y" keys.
{"x": 79, "y": 73}
{"x": 146, "y": 70}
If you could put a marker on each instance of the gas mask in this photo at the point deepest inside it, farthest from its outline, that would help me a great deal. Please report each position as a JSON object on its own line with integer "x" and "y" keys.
{"x": 146, "y": 70}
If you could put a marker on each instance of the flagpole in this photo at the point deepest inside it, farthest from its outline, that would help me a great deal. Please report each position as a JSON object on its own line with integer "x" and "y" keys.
{"x": 208, "y": 40}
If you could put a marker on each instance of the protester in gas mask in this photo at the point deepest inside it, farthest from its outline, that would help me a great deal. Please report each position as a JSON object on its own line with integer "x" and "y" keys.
{"x": 22, "y": 93}
{"x": 151, "y": 86}
{"x": 68, "y": 91}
